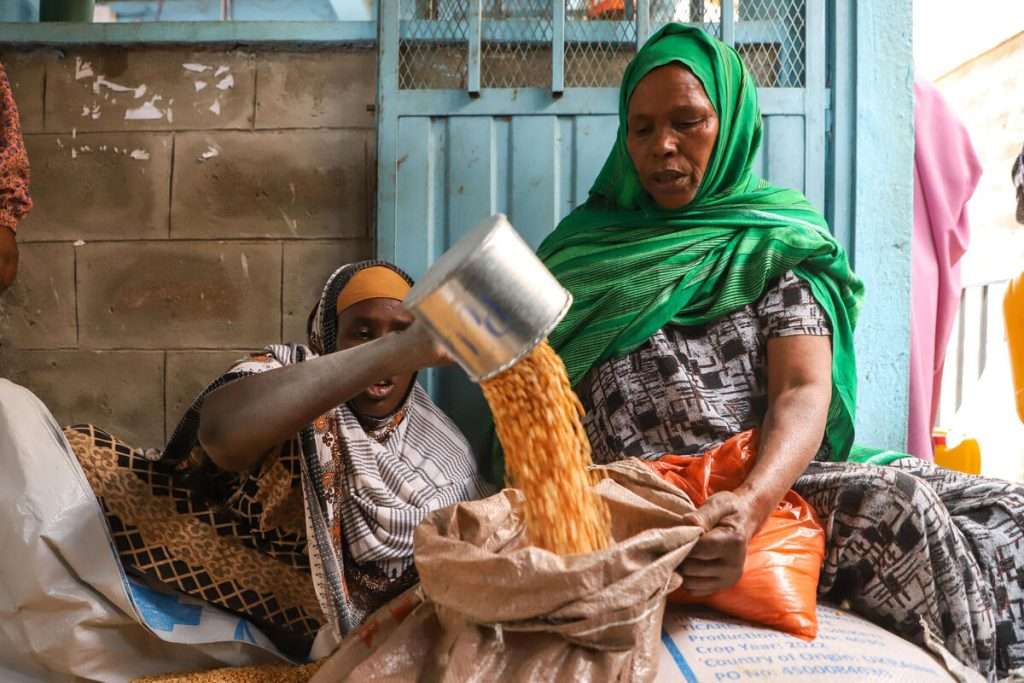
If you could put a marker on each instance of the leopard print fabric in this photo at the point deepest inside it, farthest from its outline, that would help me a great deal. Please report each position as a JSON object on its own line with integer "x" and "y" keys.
{"x": 14, "y": 170}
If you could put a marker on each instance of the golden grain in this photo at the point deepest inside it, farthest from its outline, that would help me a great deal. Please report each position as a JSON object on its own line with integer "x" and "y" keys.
{"x": 537, "y": 417}
{"x": 246, "y": 674}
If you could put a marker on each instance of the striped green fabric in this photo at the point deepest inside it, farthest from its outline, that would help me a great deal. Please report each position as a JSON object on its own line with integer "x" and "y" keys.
{"x": 866, "y": 455}
{"x": 634, "y": 267}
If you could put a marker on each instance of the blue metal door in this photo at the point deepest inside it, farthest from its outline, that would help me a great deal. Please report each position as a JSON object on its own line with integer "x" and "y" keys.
{"x": 510, "y": 106}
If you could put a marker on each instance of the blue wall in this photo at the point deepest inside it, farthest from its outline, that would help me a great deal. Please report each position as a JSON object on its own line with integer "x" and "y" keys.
{"x": 878, "y": 111}
{"x": 19, "y": 10}
{"x": 448, "y": 158}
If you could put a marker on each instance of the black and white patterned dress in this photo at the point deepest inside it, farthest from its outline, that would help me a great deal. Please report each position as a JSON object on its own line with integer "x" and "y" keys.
{"x": 687, "y": 389}
{"x": 910, "y": 546}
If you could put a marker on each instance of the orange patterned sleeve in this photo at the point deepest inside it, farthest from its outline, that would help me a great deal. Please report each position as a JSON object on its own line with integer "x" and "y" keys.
{"x": 14, "y": 171}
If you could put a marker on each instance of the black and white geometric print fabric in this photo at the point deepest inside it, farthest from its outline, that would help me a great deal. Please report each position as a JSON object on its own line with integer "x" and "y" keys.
{"x": 912, "y": 544}
{"x": 687, "y": 389}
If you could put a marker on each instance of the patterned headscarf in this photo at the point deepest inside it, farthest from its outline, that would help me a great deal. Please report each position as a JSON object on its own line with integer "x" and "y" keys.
{"x": 322, "y": 324}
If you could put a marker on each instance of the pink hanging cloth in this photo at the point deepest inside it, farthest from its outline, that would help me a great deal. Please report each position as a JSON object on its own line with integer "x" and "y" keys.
{"x": 946, "y": 172}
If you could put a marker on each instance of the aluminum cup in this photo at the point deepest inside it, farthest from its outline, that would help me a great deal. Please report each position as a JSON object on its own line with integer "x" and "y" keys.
{"x": 489, "y": 300}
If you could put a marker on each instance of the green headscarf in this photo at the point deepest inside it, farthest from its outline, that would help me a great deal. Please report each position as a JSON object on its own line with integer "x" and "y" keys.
{"x": 634, "y": 267}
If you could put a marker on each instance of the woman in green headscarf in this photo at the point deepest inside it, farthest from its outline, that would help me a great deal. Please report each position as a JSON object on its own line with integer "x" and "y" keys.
{"x": 707, "y": 303}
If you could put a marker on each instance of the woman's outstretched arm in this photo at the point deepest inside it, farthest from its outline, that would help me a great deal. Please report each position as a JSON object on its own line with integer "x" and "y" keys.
{"x": 241, "y": 421}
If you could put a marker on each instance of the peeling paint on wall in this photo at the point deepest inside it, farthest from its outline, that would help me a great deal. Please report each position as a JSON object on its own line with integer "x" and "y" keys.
{"x": 224, "y": 81}
{"x": 138, "y": 154}
{"x": 101, "y": 82}
{"x": 148, "y": 111}
{"x": 82, "y": 69}
{"x": 151, "y": 105}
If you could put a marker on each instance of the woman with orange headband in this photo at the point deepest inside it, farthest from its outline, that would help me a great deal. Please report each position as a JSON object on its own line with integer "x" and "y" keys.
{"x": 289, "y": 493}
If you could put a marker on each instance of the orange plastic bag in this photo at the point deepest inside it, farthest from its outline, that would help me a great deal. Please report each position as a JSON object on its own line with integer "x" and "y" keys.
{"x": 779, "y": 586}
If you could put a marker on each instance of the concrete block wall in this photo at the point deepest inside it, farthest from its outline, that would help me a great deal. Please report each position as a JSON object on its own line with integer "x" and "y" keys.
{"x": 189, "y": 205}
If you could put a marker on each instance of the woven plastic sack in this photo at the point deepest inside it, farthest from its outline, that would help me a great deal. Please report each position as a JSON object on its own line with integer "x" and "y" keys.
{"x": 492, "y": 608}
{"x": 779, "y": 585}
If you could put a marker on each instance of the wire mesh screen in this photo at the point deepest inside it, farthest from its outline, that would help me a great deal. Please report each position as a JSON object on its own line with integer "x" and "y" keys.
{"x": 771, "y": 38}
{"x": 432, "y": 51}
{"x": 516, "y": 47}
{"x": 704, "y": 13}
{"x": 600, "y": 39}
{"x": 599, "y": 42}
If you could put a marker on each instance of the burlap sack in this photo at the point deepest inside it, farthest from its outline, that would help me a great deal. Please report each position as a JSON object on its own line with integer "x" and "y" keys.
{"x": 490, "y": 608}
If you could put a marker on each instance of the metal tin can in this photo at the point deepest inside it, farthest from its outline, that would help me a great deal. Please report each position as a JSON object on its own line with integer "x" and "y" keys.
{"x": 489, "y": 299}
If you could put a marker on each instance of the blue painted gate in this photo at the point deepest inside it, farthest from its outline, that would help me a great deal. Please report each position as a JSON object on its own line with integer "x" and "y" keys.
{"x": 510, "y": 106}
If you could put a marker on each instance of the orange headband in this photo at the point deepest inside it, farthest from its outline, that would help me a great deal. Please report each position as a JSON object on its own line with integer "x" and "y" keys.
{"x": 375, "y": 282}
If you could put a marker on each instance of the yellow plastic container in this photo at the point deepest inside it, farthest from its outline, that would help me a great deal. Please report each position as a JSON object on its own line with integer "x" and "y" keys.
{"x": 964, "y": 457}
{"x": 1013, "y": 313}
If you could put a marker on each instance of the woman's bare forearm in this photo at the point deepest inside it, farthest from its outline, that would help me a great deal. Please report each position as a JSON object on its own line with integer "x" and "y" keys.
{"x": 799, "y": 392}
{"x": 241, "y": 421}
{"x": 791, "y": 435}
